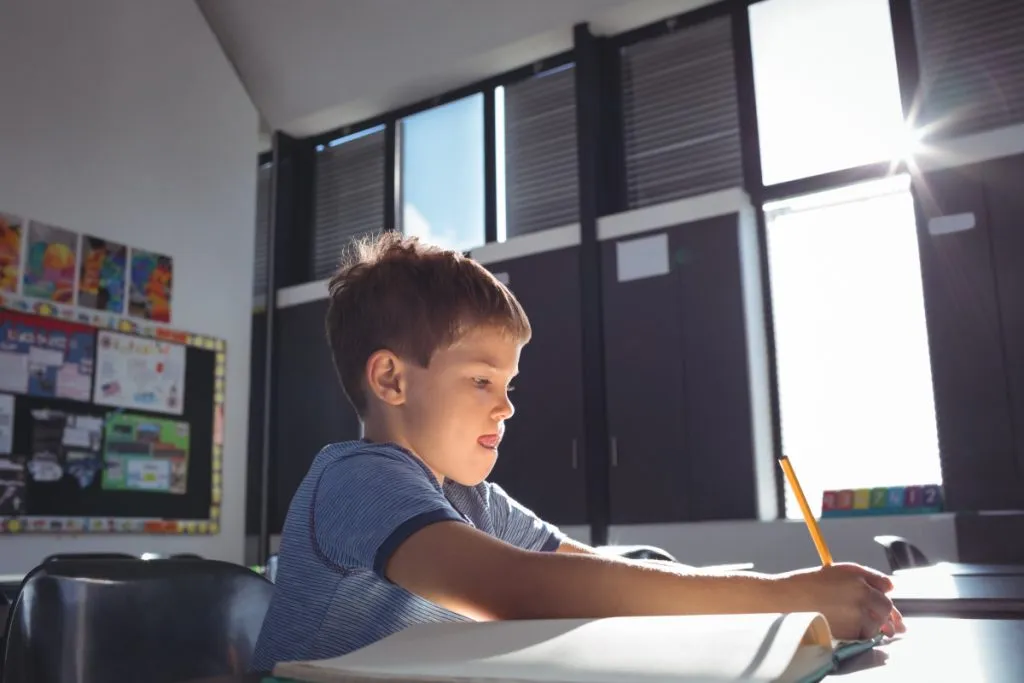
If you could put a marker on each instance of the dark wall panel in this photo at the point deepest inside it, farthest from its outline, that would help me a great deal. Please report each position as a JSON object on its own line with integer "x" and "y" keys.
{"x": 1004, "y": 180}
{"x": 256, "y": 417}
{"x": 965, "y": 339}
{"x": 719, "y": 433}
{"x": 311, "y": 410}
{"x": 542, "y": 458}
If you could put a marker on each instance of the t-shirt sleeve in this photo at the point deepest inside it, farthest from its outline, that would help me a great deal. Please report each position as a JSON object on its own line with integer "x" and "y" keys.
{"x": 366, "y": 504}
{"x": 519, "y": 526}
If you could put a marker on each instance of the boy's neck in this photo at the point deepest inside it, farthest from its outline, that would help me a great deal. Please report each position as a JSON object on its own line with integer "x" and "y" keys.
{"x": 376, "y": 431}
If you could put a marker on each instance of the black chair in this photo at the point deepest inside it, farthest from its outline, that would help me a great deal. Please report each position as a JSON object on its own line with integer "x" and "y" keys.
{"x": 901, "y": 553}
{"x": 638, "y": 552}
{"x": 60, "y": 557}
{"x": 93, "y": 621}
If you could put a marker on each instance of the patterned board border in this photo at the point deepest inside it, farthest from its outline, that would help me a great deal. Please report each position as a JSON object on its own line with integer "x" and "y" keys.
{"x": 132, "y": 525}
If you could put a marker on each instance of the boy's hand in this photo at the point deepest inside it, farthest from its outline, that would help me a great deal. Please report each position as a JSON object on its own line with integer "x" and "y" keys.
{"x": 850, "y": 596}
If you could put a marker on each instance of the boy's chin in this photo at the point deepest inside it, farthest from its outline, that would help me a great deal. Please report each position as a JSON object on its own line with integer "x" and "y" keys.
{"x": 476, "y": 473}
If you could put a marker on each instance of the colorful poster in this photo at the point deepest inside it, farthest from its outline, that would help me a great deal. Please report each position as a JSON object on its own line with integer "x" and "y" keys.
{"x": 152, "y": 281}
{"x": 139, "y": 373}
{"x": 101, "y": 280}
{"x": 50, "y": 263}
{"x": 6, "y": 423}
{"x": 145, "y": 454}
{"x": 10, "y": 252}
{"x": 12, "y": 487}
{"x": 61, "y": 438}
{"x": 45, "y": 356}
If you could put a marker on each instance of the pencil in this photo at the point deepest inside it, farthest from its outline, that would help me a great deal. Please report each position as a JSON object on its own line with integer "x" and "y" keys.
{"x": 812, "y": 523}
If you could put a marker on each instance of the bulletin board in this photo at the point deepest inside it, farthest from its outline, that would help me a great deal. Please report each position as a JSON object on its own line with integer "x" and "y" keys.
{"x": 107, "y": 424}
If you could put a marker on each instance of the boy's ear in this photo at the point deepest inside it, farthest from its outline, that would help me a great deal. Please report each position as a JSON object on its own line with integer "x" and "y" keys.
{"x": 385, "y": 377}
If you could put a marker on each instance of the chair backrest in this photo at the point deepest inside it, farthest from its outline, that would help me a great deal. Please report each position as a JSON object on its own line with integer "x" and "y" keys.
{"x": 61, "y": 557}
{"x": 901, "y": 553}
{"x": 86, "y": 621}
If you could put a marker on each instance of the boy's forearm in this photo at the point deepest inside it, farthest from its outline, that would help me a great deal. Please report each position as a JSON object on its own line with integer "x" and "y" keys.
{"x": 581, "y": 586}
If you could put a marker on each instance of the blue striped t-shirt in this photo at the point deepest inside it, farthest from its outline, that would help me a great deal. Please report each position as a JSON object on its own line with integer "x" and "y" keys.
{"x": 356, "y": 505}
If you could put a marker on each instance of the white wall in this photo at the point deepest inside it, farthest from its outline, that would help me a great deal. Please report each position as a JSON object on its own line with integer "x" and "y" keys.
{"x": 122, "y": 118}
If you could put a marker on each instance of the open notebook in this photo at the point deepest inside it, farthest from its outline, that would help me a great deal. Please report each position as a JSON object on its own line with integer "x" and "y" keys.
{"x": 783, "y": 648}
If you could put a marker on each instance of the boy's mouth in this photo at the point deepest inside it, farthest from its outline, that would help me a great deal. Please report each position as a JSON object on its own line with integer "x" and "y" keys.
{"x": 489, "y": 441}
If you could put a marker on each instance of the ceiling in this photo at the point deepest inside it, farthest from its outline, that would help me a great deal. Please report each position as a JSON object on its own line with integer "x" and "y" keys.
{"x": 315, "y": 65}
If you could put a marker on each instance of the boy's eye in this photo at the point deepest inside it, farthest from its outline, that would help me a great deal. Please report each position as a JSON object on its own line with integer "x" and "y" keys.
{"x": 511, "y": 388}
{"x": 481, "y": 382}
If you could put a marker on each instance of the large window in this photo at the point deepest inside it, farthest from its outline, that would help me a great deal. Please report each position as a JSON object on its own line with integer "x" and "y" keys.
{"x": 443, "y": 174}
{"x": 826, "y": 86}
{"x": 854, "y": 373}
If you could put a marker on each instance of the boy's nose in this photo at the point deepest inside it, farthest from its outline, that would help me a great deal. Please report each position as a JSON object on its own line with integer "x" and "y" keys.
{"x": 505, "y": 409}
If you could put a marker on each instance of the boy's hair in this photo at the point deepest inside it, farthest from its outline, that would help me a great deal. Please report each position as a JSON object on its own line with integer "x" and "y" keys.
{"x": 398, "y": 293}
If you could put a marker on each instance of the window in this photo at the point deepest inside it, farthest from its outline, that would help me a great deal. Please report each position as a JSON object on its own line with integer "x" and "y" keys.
{"x": 537, "y": 175}
{"x": 680, "y": 115}
{"x": 443, "y": 174}
{"x": 971, "y": 56}
{"x": 264, "y": 179}
{"x": 826, "y": 86}
{"x": 349, "y": 195}
{"x": 855, "y": 387}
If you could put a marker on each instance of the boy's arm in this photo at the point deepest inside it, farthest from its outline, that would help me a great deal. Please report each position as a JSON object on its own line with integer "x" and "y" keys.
{"x": 469, "y": 572}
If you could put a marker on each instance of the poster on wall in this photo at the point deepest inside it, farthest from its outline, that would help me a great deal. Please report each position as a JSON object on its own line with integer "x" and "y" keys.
{"x": 139, "y": 373}
{"x": 10, "y": 252}
{"x": 12, "y": 486}
{"x": 145, "y": 453}
{"x": 152, "y": 284}
{"x": 45, "y": 357}
{"x": 101, "y": 279}
{"x": 65, "y": 443}
{"x": 50, "y": 263}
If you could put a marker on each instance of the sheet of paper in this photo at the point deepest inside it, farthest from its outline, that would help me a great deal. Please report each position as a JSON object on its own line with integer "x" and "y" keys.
{"x": 145, "y": 453}
{"x": 46, "y": 357}
{"x": 139, "y": 374}
{"x": 6, "y": 423}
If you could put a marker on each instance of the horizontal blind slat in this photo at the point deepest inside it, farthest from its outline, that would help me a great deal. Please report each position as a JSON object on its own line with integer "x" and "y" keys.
{"x": 349, "y": 197}
{"x": 680, "y": 114}
{"x": 541, "y": 177}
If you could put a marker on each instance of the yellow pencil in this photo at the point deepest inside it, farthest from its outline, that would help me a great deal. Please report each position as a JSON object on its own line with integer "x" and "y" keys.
{"x": 812, "y": 523}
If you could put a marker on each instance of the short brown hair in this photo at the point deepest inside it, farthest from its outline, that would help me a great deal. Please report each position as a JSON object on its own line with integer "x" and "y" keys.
{"x": 398, "y": 293}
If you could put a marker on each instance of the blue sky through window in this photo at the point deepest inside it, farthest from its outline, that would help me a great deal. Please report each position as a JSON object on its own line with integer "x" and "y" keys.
{"x": 443, "y": 174}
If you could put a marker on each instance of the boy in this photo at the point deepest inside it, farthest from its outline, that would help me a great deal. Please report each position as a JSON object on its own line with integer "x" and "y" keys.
{"x": 401, "y": 527}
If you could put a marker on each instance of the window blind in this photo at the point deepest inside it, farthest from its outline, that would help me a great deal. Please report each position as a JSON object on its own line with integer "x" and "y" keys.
{"x": 541, "y": 177}
{"x": 680, "y": 114}
{"x": 348, "y": 195}
{"x": 971, "y": 57}
{"x": 263, "y": 189}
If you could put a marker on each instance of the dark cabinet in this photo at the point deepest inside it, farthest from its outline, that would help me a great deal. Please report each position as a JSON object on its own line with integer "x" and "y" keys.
{"x": 1004, "y": 179}
{"x": 311, "y": 409}
{"x": 541, "y": 460}
{"x": 679, "y": 414}
{"x": 968, "y": 358}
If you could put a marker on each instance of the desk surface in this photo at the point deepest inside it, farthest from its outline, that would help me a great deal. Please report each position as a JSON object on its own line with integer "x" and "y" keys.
{"x": 936, "y": 593}
{"x": 935, "y": 649}
{"x": 932, "y": 649}
{"x": 965, "y": 569}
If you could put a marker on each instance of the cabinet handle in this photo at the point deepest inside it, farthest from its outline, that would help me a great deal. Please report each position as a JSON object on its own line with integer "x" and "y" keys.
{"x": 575, "y": 457}
{"x": 615, "y": 452}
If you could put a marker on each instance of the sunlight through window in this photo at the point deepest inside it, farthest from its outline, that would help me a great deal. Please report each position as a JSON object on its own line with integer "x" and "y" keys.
{"x": 826, "y": 86}
{"x": 855, "y": 384}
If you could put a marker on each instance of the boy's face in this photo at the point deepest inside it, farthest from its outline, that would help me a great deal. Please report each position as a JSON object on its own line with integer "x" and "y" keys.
{"x": 455, "y": 409}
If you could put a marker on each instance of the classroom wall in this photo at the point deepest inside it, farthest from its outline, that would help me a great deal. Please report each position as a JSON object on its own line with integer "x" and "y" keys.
{"x": 125, "y": 120}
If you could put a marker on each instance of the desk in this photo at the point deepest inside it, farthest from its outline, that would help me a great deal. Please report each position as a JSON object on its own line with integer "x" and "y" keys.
{"x": 966, "y": 569}
{"x": 935, "y": 649}
{"x": 929, "y": 592}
